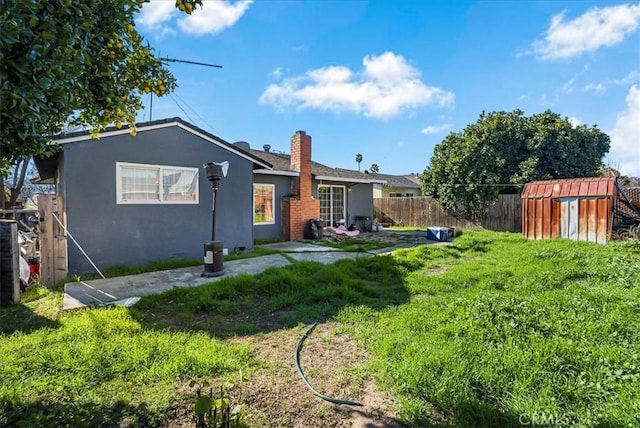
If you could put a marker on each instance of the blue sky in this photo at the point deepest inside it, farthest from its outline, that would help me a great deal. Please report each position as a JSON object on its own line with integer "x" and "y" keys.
{"x": 389, "y": 79}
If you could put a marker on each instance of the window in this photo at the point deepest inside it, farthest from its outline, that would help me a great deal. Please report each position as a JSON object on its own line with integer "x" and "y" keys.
{"x": 263, "y": 195}
{"x": 155, "y": 184}
{"x": 332, "y": 203}
{"x": 395, "y": 195}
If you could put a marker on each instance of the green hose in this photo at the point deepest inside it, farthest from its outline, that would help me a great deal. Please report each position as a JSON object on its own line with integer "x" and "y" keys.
{"x": 324, "y": 397}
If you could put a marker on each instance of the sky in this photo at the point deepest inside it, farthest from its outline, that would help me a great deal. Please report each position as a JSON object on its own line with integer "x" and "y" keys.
{"x": 390, "y": 79}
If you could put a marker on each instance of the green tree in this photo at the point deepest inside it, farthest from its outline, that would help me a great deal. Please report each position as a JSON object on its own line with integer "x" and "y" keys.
{"x": 374, "y": 168}
{"x": 72, "y": 62}
{"x": 358, "y": 159}
{"x": 504, "y": 150}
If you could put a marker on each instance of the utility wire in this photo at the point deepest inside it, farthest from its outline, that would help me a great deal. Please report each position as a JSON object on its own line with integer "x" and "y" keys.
{"x": 196, "y": 113}
{"x": 181, "y": 109}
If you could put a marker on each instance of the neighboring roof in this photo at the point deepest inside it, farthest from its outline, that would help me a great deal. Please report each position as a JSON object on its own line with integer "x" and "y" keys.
{"x": 404, "y": 181}
{"x": 282, "y": 166}
{"x": 571, "y": 187}
{"x": 163, "y": 123}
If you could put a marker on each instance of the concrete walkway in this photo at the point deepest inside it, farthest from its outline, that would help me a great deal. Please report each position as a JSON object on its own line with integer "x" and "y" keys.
{"x": 128, "y": 289}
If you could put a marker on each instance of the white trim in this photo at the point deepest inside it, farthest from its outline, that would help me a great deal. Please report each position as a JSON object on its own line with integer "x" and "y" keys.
{"x": 144, "y": 128}
{"x": 273, "y": 203}
{"x": 121, "y": 201}
{"x": 274, "y": 172}
{"x": 224, "y": 146}
{"x": 112, "y": 133}
{"x": 344, "y": 199}
{"x": 348, "y": 180}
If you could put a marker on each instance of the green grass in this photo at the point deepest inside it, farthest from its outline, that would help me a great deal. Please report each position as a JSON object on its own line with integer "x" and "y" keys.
{"x": 494, "y": 330}
{"x": 508, "y": 330}
{"x": 406, "y": 228}
{"x": 277, "y": 297}
{"x": 100, "y": 367}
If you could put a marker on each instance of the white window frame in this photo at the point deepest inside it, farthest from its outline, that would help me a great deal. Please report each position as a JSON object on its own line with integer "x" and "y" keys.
{"x": 344, "y": 201}
{"x": 121, "y": 201}
{"x": 273, "y": 204}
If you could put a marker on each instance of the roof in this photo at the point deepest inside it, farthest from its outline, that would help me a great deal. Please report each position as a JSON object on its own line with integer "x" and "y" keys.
{"x": 163, "y": 123}
{"x": 282, "y": 164}
{"x": 571, "y": 187}
{"x": 407, "y": 181}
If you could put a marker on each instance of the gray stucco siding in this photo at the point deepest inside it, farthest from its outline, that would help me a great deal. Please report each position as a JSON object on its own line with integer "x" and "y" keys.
{"x": 282, "y": 185}
{"x": 134, "y": 234}
{"x": 359, "y": 200}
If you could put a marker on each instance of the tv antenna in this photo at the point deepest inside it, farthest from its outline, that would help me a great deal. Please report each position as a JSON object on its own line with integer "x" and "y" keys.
{"x": 182, "y": 61}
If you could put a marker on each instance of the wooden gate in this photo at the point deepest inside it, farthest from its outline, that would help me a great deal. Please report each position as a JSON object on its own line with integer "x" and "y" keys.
{"x": 53, "y": 239}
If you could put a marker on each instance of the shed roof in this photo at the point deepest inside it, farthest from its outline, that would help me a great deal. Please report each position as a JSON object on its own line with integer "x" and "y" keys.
{"x": 571, "y": 187}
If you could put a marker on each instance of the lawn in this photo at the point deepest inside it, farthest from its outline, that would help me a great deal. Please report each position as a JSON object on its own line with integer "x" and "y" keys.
{"x": 493, "y": 330}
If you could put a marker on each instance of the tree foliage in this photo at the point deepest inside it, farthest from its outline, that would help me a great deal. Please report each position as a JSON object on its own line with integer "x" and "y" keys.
{"x": 72, "y": 62}
{"x": 504, "y": 150}
{"x": 374, "y": 168}
{"x": 358, "y": 160}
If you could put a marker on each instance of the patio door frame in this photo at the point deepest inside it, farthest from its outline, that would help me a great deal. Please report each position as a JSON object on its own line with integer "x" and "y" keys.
{"x": 332, "y": 209}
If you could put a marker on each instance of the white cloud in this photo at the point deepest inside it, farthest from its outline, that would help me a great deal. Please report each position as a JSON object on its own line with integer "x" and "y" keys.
{"x": 436, "y": 129}
{"x": 597, "y": 88}
{"x": 386, "y": 86}
{"x": 632, "y": 77}
{"x": 278, "y": 72}
{"x": 161, "y": 17}
{"x": 155, "y": 13}
{"x": 590, "y": 31}
{"x": 574, "y": 121}
{"x": 214, "y": 17}
{"x": 625, "y": 137}
{"x": 601, "y": 88}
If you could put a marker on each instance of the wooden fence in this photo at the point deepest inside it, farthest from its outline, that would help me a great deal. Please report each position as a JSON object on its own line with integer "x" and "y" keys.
{"x": 423, "y": 211}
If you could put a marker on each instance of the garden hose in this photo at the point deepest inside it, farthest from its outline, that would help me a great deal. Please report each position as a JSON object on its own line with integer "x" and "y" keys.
{"x": 319, "y": 394}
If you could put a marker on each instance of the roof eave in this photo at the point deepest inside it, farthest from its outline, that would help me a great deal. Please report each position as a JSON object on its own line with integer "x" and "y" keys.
{"x": 351, "y": 180}
{"x": 276, "y": 172}
{"x": 165, "y": 123}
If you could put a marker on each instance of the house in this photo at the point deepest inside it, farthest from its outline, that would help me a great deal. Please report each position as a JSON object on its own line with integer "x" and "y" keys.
{"x": 132, "y": 200}
{"x": 395, "y": 186}
{"x": 581, "y": 209}
{"x": 297, "y": 189}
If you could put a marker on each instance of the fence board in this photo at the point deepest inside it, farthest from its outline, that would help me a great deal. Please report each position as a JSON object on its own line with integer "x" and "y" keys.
{"x": 424, "y": 211}
{"x": 9, "y": 263}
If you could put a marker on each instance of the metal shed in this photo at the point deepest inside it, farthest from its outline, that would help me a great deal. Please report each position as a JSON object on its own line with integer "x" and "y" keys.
{"x": 581, "y": 209}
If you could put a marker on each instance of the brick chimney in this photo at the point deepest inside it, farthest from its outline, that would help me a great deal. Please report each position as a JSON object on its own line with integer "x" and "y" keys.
{"x": 301, "y": 162}
{"x": 298, "y": 209}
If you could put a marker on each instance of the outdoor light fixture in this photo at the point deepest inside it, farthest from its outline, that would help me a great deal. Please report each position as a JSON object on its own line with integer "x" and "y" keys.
{"x": 213, "y": 249}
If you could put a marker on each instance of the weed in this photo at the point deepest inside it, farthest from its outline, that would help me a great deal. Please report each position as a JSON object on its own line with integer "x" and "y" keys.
{"x": 212, "y": 412}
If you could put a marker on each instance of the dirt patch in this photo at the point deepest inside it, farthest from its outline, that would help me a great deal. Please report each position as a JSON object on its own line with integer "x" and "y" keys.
{"x": 436, "y": 271}
{"x": 276, "y": 395}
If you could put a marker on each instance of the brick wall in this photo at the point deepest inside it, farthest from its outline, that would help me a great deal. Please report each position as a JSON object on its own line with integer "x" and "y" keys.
{"x": 303, "y": 207}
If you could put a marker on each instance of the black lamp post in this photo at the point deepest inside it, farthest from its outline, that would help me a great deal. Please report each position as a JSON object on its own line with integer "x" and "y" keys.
{"x": 213, "y": 249}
